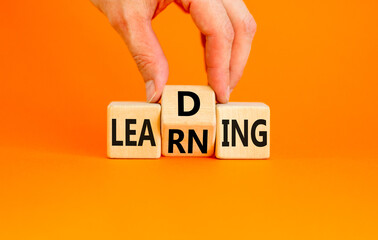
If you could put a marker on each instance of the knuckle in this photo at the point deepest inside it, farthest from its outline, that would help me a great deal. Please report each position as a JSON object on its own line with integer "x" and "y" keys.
{"x": 126, "y": 21}
{"x": 118, "y": 20}
{"x": 229, "y": 32}
{"x": 144, "y": 61}
{"x": 249, "y": 25}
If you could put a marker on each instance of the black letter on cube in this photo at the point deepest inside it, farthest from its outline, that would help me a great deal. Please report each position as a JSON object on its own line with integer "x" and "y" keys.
{"x": 177, "y": 141}
{"x": 262, "y": 134}
{"x": 196, "y": 106}
{"x": 115, "y": 142}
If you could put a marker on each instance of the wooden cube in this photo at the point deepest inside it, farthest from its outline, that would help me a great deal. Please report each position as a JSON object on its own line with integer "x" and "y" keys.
{"x": 243, "y": 131}
{"x": 134, "y": 130}
{"x": 188, "y": 121}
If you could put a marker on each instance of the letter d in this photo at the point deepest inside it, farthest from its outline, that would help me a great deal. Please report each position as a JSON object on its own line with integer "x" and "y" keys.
{"x": 196, "y": 106}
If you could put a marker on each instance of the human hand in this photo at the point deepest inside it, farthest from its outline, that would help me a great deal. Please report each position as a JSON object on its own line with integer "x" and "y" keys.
{"x": 226, "y": 25}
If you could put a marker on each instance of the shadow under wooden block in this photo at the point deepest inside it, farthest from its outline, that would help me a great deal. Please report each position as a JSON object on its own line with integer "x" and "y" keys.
{"x": 134, "y": 130}
{"x": 243, "y": 131}
{"x": 188, "y": 121}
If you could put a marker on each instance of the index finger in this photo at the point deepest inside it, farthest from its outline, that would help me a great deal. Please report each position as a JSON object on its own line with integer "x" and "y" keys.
{"x": 212, "y": 20}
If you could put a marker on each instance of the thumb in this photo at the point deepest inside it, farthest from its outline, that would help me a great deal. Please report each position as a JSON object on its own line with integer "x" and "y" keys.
{"x": 147, "y": 53}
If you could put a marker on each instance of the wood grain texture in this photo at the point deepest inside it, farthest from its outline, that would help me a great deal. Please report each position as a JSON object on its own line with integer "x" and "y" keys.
{"x": 236, "y": 115}
{"x": 203, "y": 120}
{"x": 142, "y": 113}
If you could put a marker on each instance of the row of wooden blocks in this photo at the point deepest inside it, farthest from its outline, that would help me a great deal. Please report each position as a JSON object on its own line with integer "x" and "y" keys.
{"x": 188, "y": 123}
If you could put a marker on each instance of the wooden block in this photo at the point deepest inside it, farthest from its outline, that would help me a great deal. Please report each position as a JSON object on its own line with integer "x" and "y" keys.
{"x": 134, "y": 130}
{"x": 243, "y": 131}
{"x": 188, "y": 121}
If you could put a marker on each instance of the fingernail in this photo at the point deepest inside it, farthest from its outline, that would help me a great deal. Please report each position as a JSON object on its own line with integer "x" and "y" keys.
{"x": 150, "y": 90}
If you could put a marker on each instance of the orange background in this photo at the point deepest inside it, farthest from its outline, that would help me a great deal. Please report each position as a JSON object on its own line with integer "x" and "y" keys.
{"x": 314, "y": 63}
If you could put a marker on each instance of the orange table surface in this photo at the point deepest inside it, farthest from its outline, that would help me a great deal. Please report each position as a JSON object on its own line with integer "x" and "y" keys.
{"x": 55, "y": 195}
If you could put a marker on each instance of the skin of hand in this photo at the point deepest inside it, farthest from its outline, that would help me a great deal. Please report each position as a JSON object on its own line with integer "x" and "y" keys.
{"x": 227, "y": 29}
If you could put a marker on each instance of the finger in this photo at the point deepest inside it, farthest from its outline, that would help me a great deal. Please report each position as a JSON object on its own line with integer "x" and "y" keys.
{"x": 212, "y": 20}
{"x": 245, "y": 27}
{"x": 137, "y": 32}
